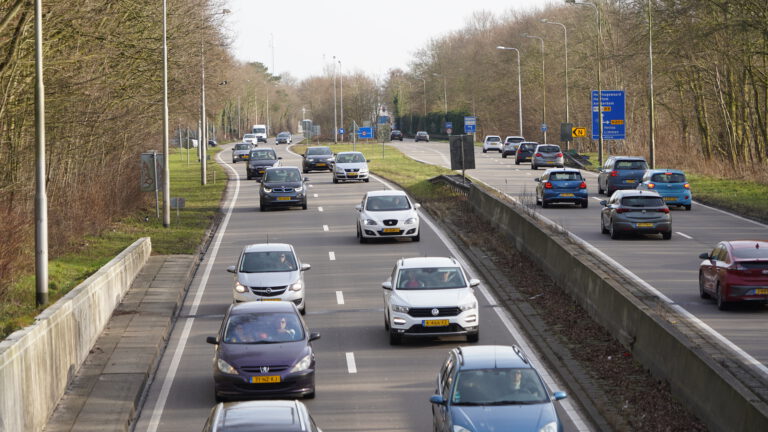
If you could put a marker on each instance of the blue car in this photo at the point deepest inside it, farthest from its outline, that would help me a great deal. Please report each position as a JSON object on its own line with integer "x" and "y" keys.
{"x": 670, "y": 184}
{"x": 492, "y": 388}
{"x": 620, "y": 173}
{"x": 564, "y": 185}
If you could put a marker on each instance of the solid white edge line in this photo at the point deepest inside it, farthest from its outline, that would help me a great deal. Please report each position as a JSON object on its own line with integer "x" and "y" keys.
{"x": 332, "y": 255}
{"x": 570, "y": 410}
{"x": 684, "y": 235}
{"x": 325, "y": 228}
{"x": 339, "y": 297}
{"x": 351, "y": 366}
{"x": 167, "y": 380}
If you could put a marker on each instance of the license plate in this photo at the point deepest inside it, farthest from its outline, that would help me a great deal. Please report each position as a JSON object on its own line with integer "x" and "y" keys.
{"x": 566, "y": 195}
{"x": 644, "y": 225}
{"x": 550, "y": 162}
{"x": 269, "y": 299}
{"x": 630, "y": 181}
{"x": 351, "y": 174}
{"x": 436, "y": 323}
{"x": 761, "y": 291}
{"x": 261, "y": 171}
{"x": 391, "y": 230}
{"x": 670, "y": 199}
{"x": 265, "y": 379}
{"x": 321, "y": 164}
{"x": 283, "y": 198}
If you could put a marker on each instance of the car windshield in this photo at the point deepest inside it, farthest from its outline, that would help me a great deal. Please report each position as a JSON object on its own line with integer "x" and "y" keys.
{"x": 750, "y": 253}
{"x": 668, "y": 178}
{"x": 259, "y": 328}
{"x": 549, "y": 149}
{"x": 493, "y": 139}
{"x": 259, "y": 130}
{"x": 431, "y": 278}
{"x": 283, "y": 134}
{"x": 249, "y": 136}
{"x": 315, "y": 151}
{"x": 630, "y": 165}
{"x": 282, "y": 175}
{"x": 242, "y": 146}
{"x": 498, "y": 387}
{"x": 642, "y": 201}
{"x": 268, "y": 262}
{"x": 514, "y": 140}
{"x": 263, "y": 155}
{"x": 387, "y": 203}
{"x": 567, "y": 175}
{"x": 350, "y": 158}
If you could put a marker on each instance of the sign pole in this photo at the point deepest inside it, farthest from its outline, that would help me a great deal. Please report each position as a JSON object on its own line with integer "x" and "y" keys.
{"x": 157, "y": 197}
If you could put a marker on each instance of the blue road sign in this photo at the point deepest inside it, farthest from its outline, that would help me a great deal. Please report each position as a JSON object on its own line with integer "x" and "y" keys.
{"x": 383, "y": 119}
{"x": 614, "y": 122}
{"x": 543, "y": 127}
{"x": 341, "y": 131}
{"x": 470, "y": 124}
{"x": 449, "y": 125}
{"x": 365, "y": 132}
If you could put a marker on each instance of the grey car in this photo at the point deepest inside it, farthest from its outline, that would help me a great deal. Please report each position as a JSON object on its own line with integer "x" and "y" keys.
{"x": 282, "y": 187}
{"x": 283, "y": 138}
{"x": 350, "y": 166}
{"x": 547, "y": 155}
{"x": 621, "y": 172}
{"x": 259, "y": 160}
{"x": 510, "y": 145}
{"x": 635, "y": 212}
{"x": 524, "y": 151}
{"x": 266, "y": 416}
{"x": 241, "y": 151}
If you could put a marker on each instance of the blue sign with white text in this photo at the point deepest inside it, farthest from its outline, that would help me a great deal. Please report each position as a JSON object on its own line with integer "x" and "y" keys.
{"x": 365, "y": 132}
{"x": 470, "y": 124}
{"x": 614, "y": 123}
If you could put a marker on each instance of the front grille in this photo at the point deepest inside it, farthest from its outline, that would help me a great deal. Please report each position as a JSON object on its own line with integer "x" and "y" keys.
{"x": 268, "y": 291}
{"x": 251, "y": 369}
{"x": 451, "y": 328}
{"x": 282, "y": 189}
{"x": 390, "y": 222}
{"x": 427, "y": 312}
{"x": 384, "y": 234}
{"x": 352, "y": 169}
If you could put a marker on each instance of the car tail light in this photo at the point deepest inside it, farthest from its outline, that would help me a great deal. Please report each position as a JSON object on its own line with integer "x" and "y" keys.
{"x": 539, "y": 155}
{"x": 622, "y": 210}
{"x": 651, "y": 185}
{"x": 663, "y": 210}
{"x": 559, "y": 155}
{"x": 687, "y": 186}
{"x": 667, "y": 173}
{"x": 614, "y": 173}
{"x": 548, "y": 185}
{"x": 583, "y": 185}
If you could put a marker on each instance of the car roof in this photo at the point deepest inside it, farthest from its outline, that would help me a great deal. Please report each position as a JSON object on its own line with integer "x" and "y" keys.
{"x": 491, "y": 136}
{"x": 282, "y": 167}
{"x": 628, "y": 157}
{"x": 491, "y": 356}
{"x": 418, "y": 262}
{"x": 320, "y": 147}
{"x": 421, "y": 132}
{"x": 262, "y": 306}
{"x": 548, "y": 145}
{"x": 245, "y": 416}
{"x": 632, "y": 192}
{"x": 551, "y": 170}
{"x": 743, "y": 244}
{"x": 513, "y": 136}
{"x": 385, "y": 193}
{"x": 529, "y": 142}
{"x": 349, "y": 152}
{"x": 661, "y": 170}
{"x": 267, "y": 247}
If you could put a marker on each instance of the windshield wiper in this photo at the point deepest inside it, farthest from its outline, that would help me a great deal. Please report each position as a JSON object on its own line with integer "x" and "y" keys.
{"x": 509, "y": 402}
{"x": 470, "y": 403}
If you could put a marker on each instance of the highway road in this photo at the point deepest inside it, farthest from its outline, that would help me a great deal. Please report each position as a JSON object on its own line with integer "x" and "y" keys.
{"x": 363, "y": 383}
{"x": 671, "y": 267}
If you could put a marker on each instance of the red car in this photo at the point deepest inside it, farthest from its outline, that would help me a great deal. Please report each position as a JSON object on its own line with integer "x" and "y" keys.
{"x": 735, "y": 271}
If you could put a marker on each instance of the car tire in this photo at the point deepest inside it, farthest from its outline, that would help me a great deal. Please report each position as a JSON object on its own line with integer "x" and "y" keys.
{"x": 304, "y": 206}
{"x": 702, "y": 292}
{"x": 585, "y": 203}
{"x": 386, "y": 323}
{"x": 305, "y": 170}
{"x": 218, "y": 398}
{"x": 613, "y": 232}
{"x": 262, "y": 207}
{"x": 395, "y": 339}
{"x": 544, "y": 204}
{"x": 485, "y": 151}
{"x": 367, "y": 180}
{"x": 303, "y": 310}
{"x": 687, "y": 207}
{"x": 363, "y": 240}
{"x": 473, "y": 337}
{"x": 335, "y": 180}
{"x": 534, "y": 167}
{"x": 234, "y": 161}
{"x": 503, "y": 155}
{"x": 600, "y": 190}
{"x": 667, "y": 235}
{"x": 517, "y": 162}
{"x": 721, "y": 303}
{"x": 417, "y": 237}
{"x": 248, "y": 177}
{"x": 603, "y": 229}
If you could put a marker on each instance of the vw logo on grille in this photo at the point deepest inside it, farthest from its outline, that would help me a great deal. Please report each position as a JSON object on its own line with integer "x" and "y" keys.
{"x": 268, "y": 291}
{"x": 435, "y": 312}
{"x": 264, "y": 369}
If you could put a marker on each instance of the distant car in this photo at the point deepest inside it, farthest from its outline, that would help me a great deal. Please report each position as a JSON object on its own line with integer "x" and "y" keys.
{"x": 263, "y": 350}
{"x": 510, "y": 145}
{"x": 269, "y": 272}
{"x": 282, "y": 187}
{"x": 621, "y": 172}
{"x": 317, "y": 158}
{"x": 547, "y": 155}
{"x": 212, "y": 143}
{"x": 670, "y": 184}
{"x": 635, "y": 212}
{"x": 259, "y": 160}
{"x": 562, "y": 186}
{"x": 492, "y": 142}
{"x": 430, "y": 297}
{"x": 261, "y": 416}
{"x": 525, "y": 151}
{"x": 251, "y": 138}
{"x": 396, "y": 135}
{"x": 241, "y": 151}
{"x": 350, "y": 166}
{"x": 284, "y": 138}
{"x": 387, "y": 214}
{"x": 492, "y": 388}
{"x": 735, "y": 271}
{"x": 421, "y": 136}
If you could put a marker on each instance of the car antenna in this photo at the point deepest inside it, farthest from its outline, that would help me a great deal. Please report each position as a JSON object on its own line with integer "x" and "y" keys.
{"x": 267, "y": 238}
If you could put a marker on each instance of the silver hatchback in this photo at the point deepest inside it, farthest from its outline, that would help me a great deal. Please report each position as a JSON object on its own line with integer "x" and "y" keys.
{"x": 547, "y": 155}
{"x": 635, "y": 212}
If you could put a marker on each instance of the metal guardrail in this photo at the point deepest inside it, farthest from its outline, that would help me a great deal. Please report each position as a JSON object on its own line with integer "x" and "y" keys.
{"x": 457, "y": 183}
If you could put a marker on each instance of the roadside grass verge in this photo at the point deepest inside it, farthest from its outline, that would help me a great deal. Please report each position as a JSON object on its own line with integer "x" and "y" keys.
{"x": 186, "y": 232}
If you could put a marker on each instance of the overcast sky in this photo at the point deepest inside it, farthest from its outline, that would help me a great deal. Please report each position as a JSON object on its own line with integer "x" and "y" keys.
{"x": 369, "y": 36}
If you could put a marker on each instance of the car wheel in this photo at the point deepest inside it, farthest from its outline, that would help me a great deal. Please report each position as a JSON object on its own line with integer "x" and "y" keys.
{"x": 218, "y": 398}
{"x": 667, "y": 235}
{"x": 363, "y": 240}
{"x": 262, "y": 207}
{"x": 687, "y": 207}
{"x": 485, "y": 151}
{"x": 702, "y": 292}
{"x": 537, "y": 200}
{"x": 603, "y": 229}
{"x": 367, "y": 180}
{"x": 544, "y": 204}
{"x": 305, "y": 170}
{"x": 234, "y": 161}
{"x": 613, "y": 232}
{"x": 417, "y": 237}
{"x": 386, "y": 323}
{"x": 534, "y": 167}
{"x": 303, "y": 310}
{"x": 504, "y": 155}
{"x": 248, "y": 177}
{"x": 335, "y": 180}
{"x": 517, "y": 162}
{"x": 721, "y": 303}
{"x": 304, "y": 206}
{"x": 474, "y": 337}
{"x": 395, "y": 339}
{"x": 585, "y": 204}
{"x": 600, "y": 190}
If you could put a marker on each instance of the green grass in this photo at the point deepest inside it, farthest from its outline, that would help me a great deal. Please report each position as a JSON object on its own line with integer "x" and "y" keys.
{"x": 90, "y": 253}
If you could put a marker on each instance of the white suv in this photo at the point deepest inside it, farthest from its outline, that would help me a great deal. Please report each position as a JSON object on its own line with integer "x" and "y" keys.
{"x": 387, "y": 214}
{"x": 493, "y": 142}
{"x": 430, "y": 297}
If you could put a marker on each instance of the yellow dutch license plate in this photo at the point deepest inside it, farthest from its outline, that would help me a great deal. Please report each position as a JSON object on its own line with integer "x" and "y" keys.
{"x": 269, "y": 299}
{"x": 670, "y": 199}
{"x": 630, "y": 181}
{"x": 550, "y": 162}
{"x": 265, "y": 379}
{"x": 644, "y": 225}
{"x": 566, "y": 195}
{"x": 283, "y": 198}
{"x": 436, "y": 323}
{"x": 261, "y": 171}
{"x": 321, "y": 164}
{"x": 391, "y": 230}
{"x": 352, "y": 174}
{"x": 761, "y": 291}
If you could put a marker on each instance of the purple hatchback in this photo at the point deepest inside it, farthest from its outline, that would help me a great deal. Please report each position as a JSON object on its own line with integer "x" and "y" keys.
{"x": 263, "y": 350}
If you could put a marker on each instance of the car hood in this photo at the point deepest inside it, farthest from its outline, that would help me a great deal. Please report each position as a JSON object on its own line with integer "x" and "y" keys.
{"x": 379, "y": 216}
{"x": 273, "y": 185}
{"x": 355, "y": 165}
{"x": 241, "y": 151}
{"x": 284, "y": 353}
{"x": 435, "y": 298}
{"x": 496, "y": 418}
{"x": 262, "y": 162}
{"x": 271, "y": 279}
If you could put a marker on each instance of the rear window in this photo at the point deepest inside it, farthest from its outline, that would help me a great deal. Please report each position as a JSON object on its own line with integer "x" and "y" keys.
{"x": 549, "y": 149}
{"x": 527, "y": 147}
{"x": 668, "y": 178}
{"x": 561, "y": 176}
{"x": 493, "y": 139}
{"x": 514, "y": 140}
{"x": 642, "y": 201}
{"x": 630, "y": 165}
{"x": 750, "y": 253}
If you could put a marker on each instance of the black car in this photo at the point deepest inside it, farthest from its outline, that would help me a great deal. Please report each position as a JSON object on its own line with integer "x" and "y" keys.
{"x": 258, "y": 162}
{"x": 282, "y": 187}
{"x": 396, "y": 135}
{"x": 525, "y": 151}
{"x": 317, "y": 158}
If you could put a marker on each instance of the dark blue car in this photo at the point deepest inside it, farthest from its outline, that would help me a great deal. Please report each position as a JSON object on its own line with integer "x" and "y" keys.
{"x": 621, "y": 173}
{"x": 492, "y": 388}
{"x": 563, "y": 185}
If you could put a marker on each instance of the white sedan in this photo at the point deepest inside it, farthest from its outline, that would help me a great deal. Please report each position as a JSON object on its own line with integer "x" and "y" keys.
{"x": 387, "y": 214}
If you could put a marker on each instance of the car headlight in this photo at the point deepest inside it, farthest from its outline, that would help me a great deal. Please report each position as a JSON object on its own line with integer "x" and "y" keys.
{"x": 549, "y": 427}
{"x": 363, "y": 170}
{"x": 296, "y": 286}
{"x": 370, "y": 222}
{"x": 399, "y": 308}
{"x": 266, "y": 190}
{"x": 240, "y": 287}
{"x": 225, "y": 367}
{"x": 468, "y": 306}
{"x": 411, "y": 221}
{"x": 457, "y": 428}
{"x": 277, "y": 163}
{"x": 299, "y": 189}
{"x": 303, "y": 364}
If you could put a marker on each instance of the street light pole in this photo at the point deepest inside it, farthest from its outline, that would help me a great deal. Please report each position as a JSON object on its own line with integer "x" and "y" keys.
{"x": 543, "y": 87}
{"x": 651, "y": 117}
{"x": 565, "y": 33}
{"x": 445, "y": 92}
{"x": 41, "y": 198}
{"x": 425, "y": 96}
{"x": 519, "y": 88}
{"x": 335, "y": 124}
{"x": 341, "y": 97}
{"x": 166, "y": 149}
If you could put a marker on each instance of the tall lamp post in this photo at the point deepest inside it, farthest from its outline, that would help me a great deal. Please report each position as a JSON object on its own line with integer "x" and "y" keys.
{"x": 424, "y": 95}
{"x": 41, "y": 198}
{"x": 335, "y": 124}
{"x": 651, "y": 117}
{"x": 445, "y": 92}
{"x": 166, "y": 158}
{"x": 341, "y": 97}
{"x": 543, "y": 86}
{"x": 599, "y": 88}
{"x": 565, "y": 33}
{"x": 519, "y": 88}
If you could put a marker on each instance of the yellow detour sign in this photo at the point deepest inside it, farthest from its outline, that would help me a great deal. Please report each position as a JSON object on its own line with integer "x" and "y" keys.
{"x": 579, "y": 132}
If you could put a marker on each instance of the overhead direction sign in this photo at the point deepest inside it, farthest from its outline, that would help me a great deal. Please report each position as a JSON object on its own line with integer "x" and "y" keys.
{"x": 614, "y": 122}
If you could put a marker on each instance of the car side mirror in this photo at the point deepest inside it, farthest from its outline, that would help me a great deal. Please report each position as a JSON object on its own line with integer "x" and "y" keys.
{"x": 559, "y": 396}
{"x": 537, "y": 180}
{"x": 387, "y": 285}
{"x": 437, "y": 399}
{"x": 212, "y": 340}
{"x": 367, "y": 160}
{"x": 314, "y": 336}
{"x": 603, "y": 203}
{"x": 306, "y": 179}
{"x": 232, "y": 269}
{"x": 279, "y": 157}
{"x": 416, "y": 206}
{"x": 359, "y": 207}
{"x": 305, "y": 267}
{"x": 474, "y": 282}
{"x": 705, "y": 255}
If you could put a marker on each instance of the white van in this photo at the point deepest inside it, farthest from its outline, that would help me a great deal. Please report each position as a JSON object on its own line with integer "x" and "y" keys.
{"x": 261, "y": 132}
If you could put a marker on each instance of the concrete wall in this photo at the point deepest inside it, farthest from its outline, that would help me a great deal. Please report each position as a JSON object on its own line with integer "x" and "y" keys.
{"x": 657, "y": 336}
{"x": 37, "y": 362}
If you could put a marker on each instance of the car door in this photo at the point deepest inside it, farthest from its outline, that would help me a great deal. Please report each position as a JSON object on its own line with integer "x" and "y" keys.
{"x": 388, "y": 293}
{"x": 602, "y": 181}
{"x": 441, "y": 414}
{"x": 540, "y": 186}
{"x": 709, "y": 269}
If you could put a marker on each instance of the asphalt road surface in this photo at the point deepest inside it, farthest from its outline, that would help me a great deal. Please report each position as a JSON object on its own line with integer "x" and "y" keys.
{"x": 363, "y": 383}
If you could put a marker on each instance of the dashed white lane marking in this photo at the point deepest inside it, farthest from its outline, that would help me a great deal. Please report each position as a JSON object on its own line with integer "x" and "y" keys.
{"x": 319, "y": 209}
{"x": 315, "y": 195}
{"x": 597, "y": 198}
{"x": 351, "y": 366}
{"x": 311, "y": 186}
{"x": 332, "y": 255}
{"x": 339, "y": 297}
{"x": 684, "y": 235}
{"x": 325, "y": 227}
